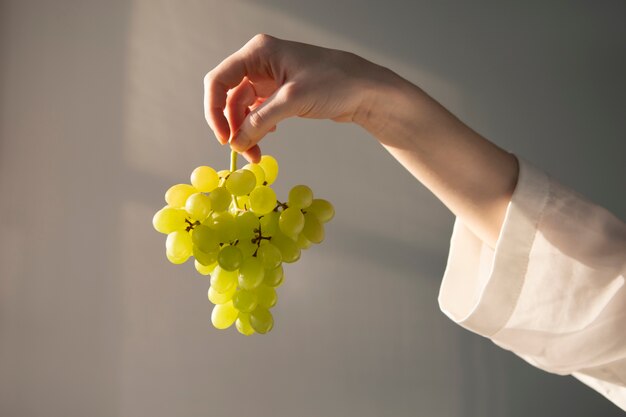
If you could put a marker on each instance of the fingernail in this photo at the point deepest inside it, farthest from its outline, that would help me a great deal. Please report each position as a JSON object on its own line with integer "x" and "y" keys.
{"x": 240, "y": 142}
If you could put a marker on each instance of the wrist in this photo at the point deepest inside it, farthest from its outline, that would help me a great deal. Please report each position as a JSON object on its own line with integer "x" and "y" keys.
{"x": 388, "y": 101}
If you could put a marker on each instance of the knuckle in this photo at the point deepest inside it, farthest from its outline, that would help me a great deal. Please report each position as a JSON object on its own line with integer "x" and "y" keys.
{"x": 262, "y": 40}
{"x": 291, "y": 91}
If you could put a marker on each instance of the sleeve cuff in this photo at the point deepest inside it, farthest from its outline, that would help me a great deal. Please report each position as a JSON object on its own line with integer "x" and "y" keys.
{"x": 481, "y": 286}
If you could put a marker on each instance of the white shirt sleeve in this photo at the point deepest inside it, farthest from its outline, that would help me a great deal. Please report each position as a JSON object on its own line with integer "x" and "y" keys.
{"x": 553, "y": 289}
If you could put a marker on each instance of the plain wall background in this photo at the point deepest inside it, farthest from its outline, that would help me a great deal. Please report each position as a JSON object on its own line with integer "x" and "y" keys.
{"x": 101, "y": 111}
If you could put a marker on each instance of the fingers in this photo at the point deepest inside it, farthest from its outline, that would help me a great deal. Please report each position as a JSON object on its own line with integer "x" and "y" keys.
{"x": 253, "y": 154}
{"x": 237, "y": 106}
{"x": 264, "y": 118}
{"x": 227, "y": 75}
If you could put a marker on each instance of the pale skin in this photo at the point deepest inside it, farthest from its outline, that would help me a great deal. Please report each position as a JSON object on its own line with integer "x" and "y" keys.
{"x": 269, "y": 80}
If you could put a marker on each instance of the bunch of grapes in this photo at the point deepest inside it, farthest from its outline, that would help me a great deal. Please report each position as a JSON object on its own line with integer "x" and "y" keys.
{"x": 239, "y": 234}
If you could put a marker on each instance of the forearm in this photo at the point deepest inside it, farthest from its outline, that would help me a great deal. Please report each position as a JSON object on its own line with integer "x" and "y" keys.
{"x": 473, "y": 177}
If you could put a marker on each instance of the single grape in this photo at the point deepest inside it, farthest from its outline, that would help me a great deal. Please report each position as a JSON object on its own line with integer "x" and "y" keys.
{"x": 247, "y": 223}
{"x": 223, "y": 174}
{"x": 302, "y": 242}
{"x": 224, "y": 315}
{"x": 221, "y": 298}
{"x": 174, "y": 260}
{"x": 205, "y": 258}
{"x": 258, "y": 172}
{"x": 247, "y": 248}
{"x": 323, "y": 210}
{"x": 240, "y": 182}
{"x": 262, "y": 200}
{"x": 270, "y": 167}
{"x": 177, "y": 195}
{"x": 179, "y": 245}
{"x": 269, "y": 255}
{"x": 243, "y": 324}
{"x": 205, "y": 238}
{"x": 205, "y": 179}
{"x": 199, "y": 206}
{"x": 168, "y": 220}
{"x": 243, "y": 202}
{"x": 266, "y": 296}
{"x": 204, "y": 269}
{"x": 251, "y": 273}
{"x": 288, "y": 248}
{"x": 261, "y": 320}
{"x": 291, "y": 222}
{"x": 313, "y": 229}
{"x": 274, "y": 277}
{"x": 300, "y": 197}
{"x": 230, "y": 258}
{"x": 245, "y": 301}
{"x": 220, "y": 199}
{"x": 269, "y": 223}
{"x": 224, "y": 225}
{"x": 222, "y": 280}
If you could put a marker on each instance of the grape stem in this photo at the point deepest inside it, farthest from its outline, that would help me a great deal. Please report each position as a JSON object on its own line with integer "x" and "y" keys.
{"x": 233, "y": 161}
{"x": 233, "y": 168}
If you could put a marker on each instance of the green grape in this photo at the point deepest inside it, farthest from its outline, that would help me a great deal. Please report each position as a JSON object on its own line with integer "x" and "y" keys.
{"x": 177, "y": 195}
{"x": 274, "y": 277}
{"x": 220, "y": 199}
{"x": 261, "y": 320}
{"x": 251, "y": 274}
{"x": 224, "y": 315}
{"x": 198, "y": 205}
{"x": 266, "y": 296}
{"x": 269, "y": 223}
{"x": 300, "y": 197}
{"x": 288, "y": 248}
{"x": 205, "y": 258}
{"x": 302, "y": 242}
{"x": 222, "y": 280}
{"x": 262, "y": 200}
{"x": 230, "y": 258}
{"x": 258, "y": 173}
{"x": 204, "y": 269}
{"x": 205, "y": 238}
{"x": 245, "y": 301}
{"x": 240, "y": 182}
{"x": 179, "y": 245}
{"x": 223, "y": 174}
{"x": 323, "y": 210}
{"x": 243, "y": 202}
{"x": 243, "y": 324}
{"x": 291, "y": 222}
{"x": 205, "y": 179}
{"x": 270, "y": 167}
{"x": 168, "y": 220}
{"x": 269, "y": 255}
{"x": 313, "y": 228}
{"x": 224, "y": 225}
{"x": 174, "y": 260}
{"x": 247, "y": 248}
{"x": 221, "y": 298}
{"x": 247, "y": 223}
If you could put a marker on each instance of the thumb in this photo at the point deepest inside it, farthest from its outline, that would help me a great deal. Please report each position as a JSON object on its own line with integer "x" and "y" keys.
{"x": 264, "y": 118}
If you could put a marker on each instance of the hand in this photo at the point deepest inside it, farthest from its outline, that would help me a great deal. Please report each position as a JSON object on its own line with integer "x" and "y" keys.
{"x": 270, "y": 79}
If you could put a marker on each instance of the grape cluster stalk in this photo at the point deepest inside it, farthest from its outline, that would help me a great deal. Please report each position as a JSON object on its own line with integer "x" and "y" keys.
{"x": 240, "y": 235}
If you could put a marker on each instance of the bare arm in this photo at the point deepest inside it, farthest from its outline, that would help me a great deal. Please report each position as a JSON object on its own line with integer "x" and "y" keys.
{"x": 269, "y": 80}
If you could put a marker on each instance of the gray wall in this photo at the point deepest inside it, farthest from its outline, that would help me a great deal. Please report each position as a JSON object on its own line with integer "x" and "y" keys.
{"x": 100, "y": 111}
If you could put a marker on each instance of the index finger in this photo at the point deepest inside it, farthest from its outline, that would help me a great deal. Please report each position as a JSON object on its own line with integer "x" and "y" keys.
{"x": 228, "y": 74}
